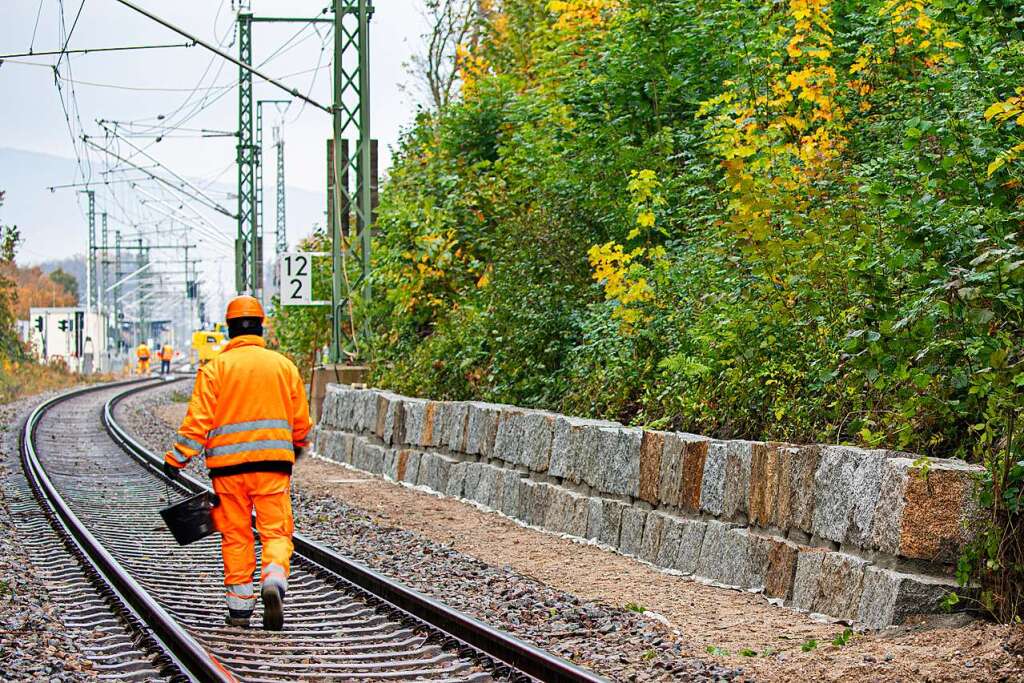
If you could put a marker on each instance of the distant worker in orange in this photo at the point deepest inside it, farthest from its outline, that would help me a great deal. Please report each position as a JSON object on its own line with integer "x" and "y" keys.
{"x": 166, "y": 354}
{"x": 142, "y": 353}
{"x": 249, "y": 414}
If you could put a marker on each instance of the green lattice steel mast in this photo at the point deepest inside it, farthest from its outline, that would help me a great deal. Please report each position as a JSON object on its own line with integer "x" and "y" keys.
{"x": 258, "y": 163}
{"x": 117, "y": 289}
{"x": 351, "y": 243}
{"x": 351, "y": 295}
{"x": 281, "y": 228}
{"x": 247, "y": 247}
{"x": 90, "y": 264}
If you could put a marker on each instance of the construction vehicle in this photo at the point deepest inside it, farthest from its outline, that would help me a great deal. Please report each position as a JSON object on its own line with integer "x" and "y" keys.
{"x": 208, "y": 343}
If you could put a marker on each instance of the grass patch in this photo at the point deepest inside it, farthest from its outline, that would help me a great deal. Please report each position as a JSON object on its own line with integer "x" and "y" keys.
{"x": 21, "y": 379}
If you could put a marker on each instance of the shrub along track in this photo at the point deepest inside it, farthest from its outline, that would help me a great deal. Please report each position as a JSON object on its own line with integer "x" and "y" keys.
{"x": 102, "y": 491}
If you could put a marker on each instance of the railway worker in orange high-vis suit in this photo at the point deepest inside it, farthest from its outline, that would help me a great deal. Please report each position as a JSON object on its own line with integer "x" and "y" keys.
{"x": 166, "y": 356}
{"x": 249, "y": 415}
{"x": 142, "y": 353}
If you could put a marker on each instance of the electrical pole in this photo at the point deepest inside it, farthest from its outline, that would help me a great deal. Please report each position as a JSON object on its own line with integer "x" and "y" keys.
{"x": 260, "y": 221}
{"x": 102, "y": 288}
{"x": 90, "y": 259}
{"x": 143, "y": 289}
{"x": 281, "y": 231}
{"x": 117, "y": 289}
{"x": 351, "y": 111}
{"x": 247, "y": 248}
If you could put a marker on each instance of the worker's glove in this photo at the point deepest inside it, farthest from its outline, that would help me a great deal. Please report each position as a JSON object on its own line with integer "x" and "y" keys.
{"x": 171, "y": 471}
{"x": 299, "y": 452}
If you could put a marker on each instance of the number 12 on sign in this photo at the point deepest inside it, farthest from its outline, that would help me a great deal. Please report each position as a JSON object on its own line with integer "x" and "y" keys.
{"x": 296, "y": 279}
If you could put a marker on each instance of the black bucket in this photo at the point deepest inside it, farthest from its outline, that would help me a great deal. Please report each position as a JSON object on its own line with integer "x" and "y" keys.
{"x": 190, "y": 520}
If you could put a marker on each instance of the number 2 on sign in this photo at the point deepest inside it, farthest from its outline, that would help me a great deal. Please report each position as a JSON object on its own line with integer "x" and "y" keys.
{"x": 297, "y": 289}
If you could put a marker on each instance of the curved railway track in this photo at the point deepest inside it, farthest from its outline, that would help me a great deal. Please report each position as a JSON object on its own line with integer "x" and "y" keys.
{"x": 101, "y": 491}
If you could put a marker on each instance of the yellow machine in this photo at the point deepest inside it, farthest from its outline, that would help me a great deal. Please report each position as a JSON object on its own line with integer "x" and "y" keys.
{"x": 208, "y": 343}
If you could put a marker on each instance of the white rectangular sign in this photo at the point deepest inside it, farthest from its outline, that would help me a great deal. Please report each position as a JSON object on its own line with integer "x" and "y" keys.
{"x": 296, "y": 279}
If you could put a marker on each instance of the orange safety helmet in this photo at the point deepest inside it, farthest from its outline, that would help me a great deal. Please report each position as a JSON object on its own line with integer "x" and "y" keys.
{"x": 244, "y": 306}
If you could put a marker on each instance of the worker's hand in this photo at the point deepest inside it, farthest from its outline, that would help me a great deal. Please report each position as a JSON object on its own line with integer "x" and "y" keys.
{"x": 171, "y": 471}
{"x": 299, "y": 452}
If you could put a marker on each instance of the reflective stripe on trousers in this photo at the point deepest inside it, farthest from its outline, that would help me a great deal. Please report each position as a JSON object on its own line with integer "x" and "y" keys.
{"x": 240, "y": 597}
{"x": 274, "y": 574}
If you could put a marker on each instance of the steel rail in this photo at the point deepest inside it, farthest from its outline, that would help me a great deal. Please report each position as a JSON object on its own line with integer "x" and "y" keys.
{"x": 187, "y": 655}
{"x": 499, "y": 645}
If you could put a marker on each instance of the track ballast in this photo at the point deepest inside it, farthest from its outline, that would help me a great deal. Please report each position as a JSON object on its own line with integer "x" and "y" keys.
{"x": 343, "y": 621}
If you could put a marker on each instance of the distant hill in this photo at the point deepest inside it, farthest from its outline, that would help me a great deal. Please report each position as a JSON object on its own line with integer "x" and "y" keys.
{"x": 53, "y": 225}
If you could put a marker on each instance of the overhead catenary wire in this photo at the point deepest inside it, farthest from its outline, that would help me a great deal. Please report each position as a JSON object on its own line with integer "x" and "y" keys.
{"x": 217, "y": 207}
{"x": 201, "y": 197}
{"x": 85, "y": 51}
{"x": 67, "y": 40}
{"x": 248, "y": 67}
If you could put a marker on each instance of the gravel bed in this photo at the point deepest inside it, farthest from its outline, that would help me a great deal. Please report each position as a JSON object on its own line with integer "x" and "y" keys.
{"x": 34, "y": 645}
{"x": 614, "y": 642}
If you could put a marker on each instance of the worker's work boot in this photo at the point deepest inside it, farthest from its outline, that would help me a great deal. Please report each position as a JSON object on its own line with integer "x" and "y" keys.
{"x": 274, "y": 588}
{"x": 241, "y": 600}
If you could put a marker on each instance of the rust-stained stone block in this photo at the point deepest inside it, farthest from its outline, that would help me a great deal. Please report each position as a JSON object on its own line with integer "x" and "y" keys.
{"x": 937, "y": 510}
{"x": 682, "y": 470}
{"x": 382, "y": 413}
{"x": 426, "y": 436}
{"x": 402, "y": 464}
{"x": 412, "y": 466}
{"x": 805, "y": 461}
{"x": 736, "y": 494}
{"x": 924, "y": 517}
{"x": 695, "y": 451}
{"x": 765, "y": 466}
{"x": 781, "y": 566}
{"x": 652, "y": 444}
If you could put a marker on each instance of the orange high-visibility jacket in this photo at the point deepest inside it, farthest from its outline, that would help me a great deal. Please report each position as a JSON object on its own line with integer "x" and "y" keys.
{"x": 167, "y": 353}
{"x": 142, "y": 352}
{"x": 248, "y": 412}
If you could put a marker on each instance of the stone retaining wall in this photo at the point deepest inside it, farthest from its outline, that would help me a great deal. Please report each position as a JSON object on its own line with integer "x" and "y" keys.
{"x": 860, "y": 535}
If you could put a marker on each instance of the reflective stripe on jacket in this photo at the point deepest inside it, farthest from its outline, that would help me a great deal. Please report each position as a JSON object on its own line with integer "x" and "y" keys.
{"x": 142, "y": 352}
{"x": 248, "y": 411}
{"x": 167, "y": 353}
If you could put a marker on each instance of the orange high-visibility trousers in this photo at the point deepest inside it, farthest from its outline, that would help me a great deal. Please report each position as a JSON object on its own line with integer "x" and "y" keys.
{"x": 268, "y": 493}
{"x": 143, "y": 366}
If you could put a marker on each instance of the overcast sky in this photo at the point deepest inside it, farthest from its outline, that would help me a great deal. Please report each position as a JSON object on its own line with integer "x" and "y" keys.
{"x": 190, "y": 87}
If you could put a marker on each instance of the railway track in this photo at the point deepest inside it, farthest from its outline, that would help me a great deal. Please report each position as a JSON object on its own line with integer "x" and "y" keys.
{"x": 101, "y": 490}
